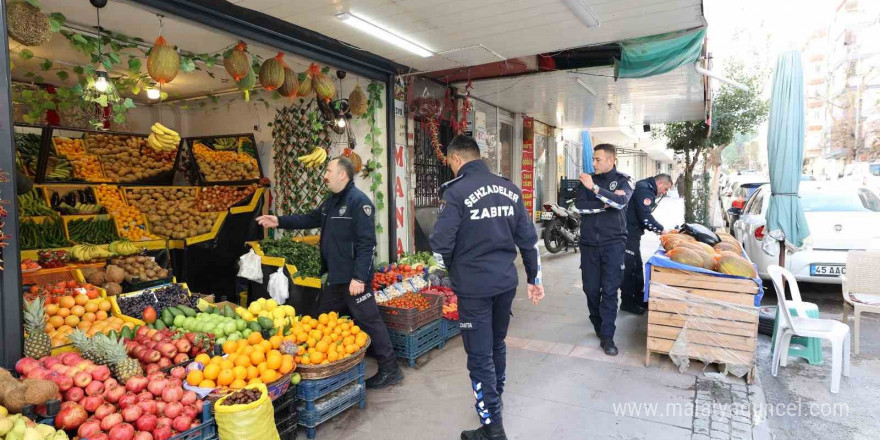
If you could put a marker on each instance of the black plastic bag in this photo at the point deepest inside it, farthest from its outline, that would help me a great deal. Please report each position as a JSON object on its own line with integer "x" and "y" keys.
{"x": 701, "y": 233}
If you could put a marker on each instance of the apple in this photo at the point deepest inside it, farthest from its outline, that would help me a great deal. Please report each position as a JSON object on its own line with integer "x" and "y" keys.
{"x": 74, "y": 394}
{"x": 94, "y": 388}
{"x": 82, "y": 379}
{"x": 101, "y": 373}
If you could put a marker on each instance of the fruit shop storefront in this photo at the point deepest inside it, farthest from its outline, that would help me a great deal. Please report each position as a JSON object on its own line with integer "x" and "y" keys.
{"x": 147, "y": 137}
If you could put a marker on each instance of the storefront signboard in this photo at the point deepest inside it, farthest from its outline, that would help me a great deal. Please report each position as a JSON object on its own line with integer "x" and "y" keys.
{"x": 528, "y": 164}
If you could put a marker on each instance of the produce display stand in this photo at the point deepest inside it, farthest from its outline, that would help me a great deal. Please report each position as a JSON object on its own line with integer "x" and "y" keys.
{"x": 25, "y": 156}
{"x": 322, "y": 399}
{"x": 302, "y": 291}
{"x": 208, "y": 141}
{"x": 704, "y": 315}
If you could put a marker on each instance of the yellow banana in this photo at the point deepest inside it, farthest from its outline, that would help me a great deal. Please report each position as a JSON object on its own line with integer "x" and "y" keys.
{"x": 165, "y": 129}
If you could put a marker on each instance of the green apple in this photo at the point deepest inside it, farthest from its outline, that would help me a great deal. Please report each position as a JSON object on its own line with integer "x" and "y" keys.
{"x": 295, "y": 379}
{"x": 240, "y": 324}
{"x": 179, "y": 320}
{"x": 245, "y": 332}
{"x": 234, "y": 337}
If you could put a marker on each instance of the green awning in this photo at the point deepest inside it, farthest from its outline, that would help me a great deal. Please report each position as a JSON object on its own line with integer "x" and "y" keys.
{"x": 658, "y": 54}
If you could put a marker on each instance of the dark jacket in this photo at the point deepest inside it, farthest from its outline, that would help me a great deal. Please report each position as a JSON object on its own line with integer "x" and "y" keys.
{"x": 604, "y": 214}
{"x": 482, "y": 222}
{"x": 348, "y": 235}
{"x": 639, "y": 215}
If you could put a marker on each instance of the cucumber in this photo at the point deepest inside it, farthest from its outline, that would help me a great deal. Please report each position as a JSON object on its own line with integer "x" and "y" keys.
{"x": 188, "y": 311}
{"x": 174, "y": 311}
{"x": 160, "y": 325}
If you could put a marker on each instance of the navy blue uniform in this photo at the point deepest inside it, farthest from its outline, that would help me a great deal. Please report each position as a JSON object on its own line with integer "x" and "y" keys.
{"x": 639, "y": 218}
{"x": 348, "y": 241}
{"x": 603, "y": 241}
{"x": 481, "y": 225}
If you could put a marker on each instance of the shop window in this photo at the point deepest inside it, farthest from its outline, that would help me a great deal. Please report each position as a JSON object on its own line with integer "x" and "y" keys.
{"x": 505, "y": 146}
{"x": 541, "y": 144}
{"x": 486, "y": 134}
{"x": 430, "y": 172}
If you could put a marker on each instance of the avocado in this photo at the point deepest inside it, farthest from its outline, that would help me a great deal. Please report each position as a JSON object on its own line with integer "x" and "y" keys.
{"x": 160, "y": 325}
{"x": 254, "y": 326}
{"x": 167, "y": 317}
{"x": 265, "y": 323}
{"x": 174, "y": 311}
{"x": 229, "y": 312}
{"x": 188, "y": 311}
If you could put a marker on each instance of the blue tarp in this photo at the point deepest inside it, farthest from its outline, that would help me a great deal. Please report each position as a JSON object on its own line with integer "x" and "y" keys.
{"x": 588, "y": 152}
{"x": 660, "y": 259}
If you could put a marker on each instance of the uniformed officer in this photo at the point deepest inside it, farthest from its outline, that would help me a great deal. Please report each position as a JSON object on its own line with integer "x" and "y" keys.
{"x": 482, "y": 222}
{"x": 639, "y": 218}
{"x": 602, "y": 201}
{"x": 348, "y": 241}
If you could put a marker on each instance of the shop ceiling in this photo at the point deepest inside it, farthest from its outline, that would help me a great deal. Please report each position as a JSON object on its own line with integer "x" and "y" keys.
{"x": 474, "y": 32}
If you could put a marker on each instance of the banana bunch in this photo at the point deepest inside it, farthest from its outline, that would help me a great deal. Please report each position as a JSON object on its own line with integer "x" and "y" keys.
{"x": 124, "y": 248}
{"x": 224, "y": 144}
{"x": 163, "y": 138}
{"x": 62, "y": 171}
{"x": 314, "y": 159}
{"x": 89, "y": 252}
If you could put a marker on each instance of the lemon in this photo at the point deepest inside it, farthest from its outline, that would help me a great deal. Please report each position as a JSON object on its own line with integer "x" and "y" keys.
{"x": 278, "y": 313}
{"x": 290, "y": 311}
{"x": 3, "y": 411}
{"x": 255, "y": 308}
{"x": 270, "y": 305}
{"x": 280, "y": 322}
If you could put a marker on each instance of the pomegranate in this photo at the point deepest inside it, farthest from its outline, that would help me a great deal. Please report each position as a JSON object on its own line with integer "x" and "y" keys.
{"x": 149, "y": 407}
{"x": 101, "y": 373}
{"x": 127, "y": 400}
{"x": 178, "y": 373}
{"x": 82, "y": 379}
{"x": 104, "y": 410}
{"x": 123, "y": 431}
{"x": 164, "y": 362}
{"x": 74, "y": 394}
{"x": 132, "y": 413}
{"x": 143, "y": 435}
{"x": 110, "y": 420}
{"x": 174, "y": 383}
{"x": 94, "y": 388}
{"x": 91, "y": 403}
{"x": 160, "y": 407}
{"x": 161, "y": 433}
{"x": 156, "y": 375}
{"x": 181, "y": 423}
{"x": 147, "y": 422}
{"x": 151, "y": 368}
{"x": 115, "y": 394}
{"x": 100, "y": 436}
{"x": 199, "y": 404}
{"x": 190, "y": 411}
{"x": 189, "y": 398}
{"x": 163, "y": 421}
{"x": 173, "y": 410}
{"x": 144, "y": 395}
{"x": 89, "y": 429}
{"x": 172, "y": 394}
{"x": 136, "y": 384}
{"x": 70, "y": 417}
{"x": 156, "y": 387}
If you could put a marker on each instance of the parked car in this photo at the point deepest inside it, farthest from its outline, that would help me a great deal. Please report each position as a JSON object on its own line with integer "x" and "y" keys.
{"x": 863, "y": 173}
{"x": 741, "y": 193}
{"x": 841, "y": 216}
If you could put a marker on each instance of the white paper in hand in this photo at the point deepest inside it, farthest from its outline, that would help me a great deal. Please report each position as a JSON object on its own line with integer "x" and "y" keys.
{"x": 250, "y": 267}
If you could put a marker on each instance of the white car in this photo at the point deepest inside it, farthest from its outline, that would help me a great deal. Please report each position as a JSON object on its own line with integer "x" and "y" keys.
{"x": 864, "y": 174}
{"x": 841, "y": 216}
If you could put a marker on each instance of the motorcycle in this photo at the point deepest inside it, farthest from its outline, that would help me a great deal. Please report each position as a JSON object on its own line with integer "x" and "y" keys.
{"x": 562, "y": 229}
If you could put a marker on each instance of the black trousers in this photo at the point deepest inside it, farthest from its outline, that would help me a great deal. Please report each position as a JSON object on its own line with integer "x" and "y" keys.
{"x": 365, "y": 312}
{"x": 602, "y": 272}
{"x": 483, "y": 323}
{"x": 632, "y": 290}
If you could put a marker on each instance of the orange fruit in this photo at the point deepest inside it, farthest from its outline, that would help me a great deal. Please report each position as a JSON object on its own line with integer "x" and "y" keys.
{"x": 301, "y": 337}
{"x": 226, "y": 377}
{"x": 255, "y": 338}
{"x": 268, "y": 376}
{"x": 56, "y": 321}
{"x": 266, "y": 346}
{"x": 104, "y": 306}
{"x": 67, "y": 302}
{"x": 255, "y": 381}
{"x": 207, "y": 383}
{"x": 195, "y": 377}
{"x": 323, "y": 318}
{"x": 72, "y": 320}
{"x": 216, "y": 360}
{"x": 226, "y": 364}
{"x": 252, "y": 372}
{"x": 51, "y": 309}
{"x": 274, "y": 362}
{"x": 262, "y": 367}
{"x": 238, "y": 384}
{"x": 287, "y": 364}
{"x": 242, "y": 343}
{"x": 311, "y": 342}
{"x": 77, "y": 310}
{"x": 203, "y": 358}
{"x": 240, "y": 372}
{"x": 243, "y": 361}
{"x": 317, "y": 357}
{"x": 322, "y": 346}
{"x": 351, "y": 348}
{"x": 212, "y": 371}
{"x": 257, "y": 357}
{"x": 332, "y": 357}
{"x": 276, "y": 341}
{"x": 229, "y": 347}
{"x": 91, "y": 307}
{"x": 101, "y": 315}
{"x": 81, "y": 299}
{"x": 63, "y": 312}
{"x": 355, "y": 330}
{"x": 89, "y": 317}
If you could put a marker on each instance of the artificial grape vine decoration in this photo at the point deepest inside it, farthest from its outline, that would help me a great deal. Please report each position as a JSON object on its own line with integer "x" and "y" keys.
{"x": 373, "y": 165}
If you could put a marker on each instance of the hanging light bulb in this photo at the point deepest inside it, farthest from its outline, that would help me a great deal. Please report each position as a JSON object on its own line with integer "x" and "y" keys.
{"x": 102, "y": 82}
{"x": 340, "y": 122}
{"x": 153, "y": 93}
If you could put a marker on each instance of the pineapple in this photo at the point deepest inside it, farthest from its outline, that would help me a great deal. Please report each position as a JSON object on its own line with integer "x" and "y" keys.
{"x": 36, "y": 343}
{"x": 122, "y": 366}
{"x": 88, "y": 347}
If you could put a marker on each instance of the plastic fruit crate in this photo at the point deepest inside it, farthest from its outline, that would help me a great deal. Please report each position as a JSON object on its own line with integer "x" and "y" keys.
{"x": 311, "y": 390}
{"x": 412, "y": 345}
{"x": 207, "y": 430}
{"x": 407, "y": 320}
{"x": 450, "y": 329}
{"x": 331, "y": 406}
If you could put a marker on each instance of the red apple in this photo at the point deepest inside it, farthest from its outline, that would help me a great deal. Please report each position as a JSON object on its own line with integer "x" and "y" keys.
{"x": 178, "y": 373}
{"x": 152, "y": 368}
{"x": 101, "y": 373}
{"x": 74, "y": 394}
{"x": 51, "y": 362}
{"x": 110, "y": 383}
{"x": 82, "y": 379}
{"x": 64, "y": 382}
{"x": 164, "y": 362}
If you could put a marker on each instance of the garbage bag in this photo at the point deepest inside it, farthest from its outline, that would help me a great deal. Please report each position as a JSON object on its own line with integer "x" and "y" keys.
{"x": 255, "y": 420}
{"x": 701, "y": 233}
{"x": 250, "y": 267}
{"x": 278, "y": 283}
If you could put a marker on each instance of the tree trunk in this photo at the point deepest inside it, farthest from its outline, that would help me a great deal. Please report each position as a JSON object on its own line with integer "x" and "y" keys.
{"x": 689, "y": 187}
{"x": 715, "y": 164}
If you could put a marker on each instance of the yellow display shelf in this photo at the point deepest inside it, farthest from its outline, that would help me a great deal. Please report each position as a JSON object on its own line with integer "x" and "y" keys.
{"x": 250, "y": 207}
{"x": 291, "y": 269}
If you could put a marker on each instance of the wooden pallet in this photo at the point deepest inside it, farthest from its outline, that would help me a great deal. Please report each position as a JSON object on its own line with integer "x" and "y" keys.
{"x": 718, "y": 314}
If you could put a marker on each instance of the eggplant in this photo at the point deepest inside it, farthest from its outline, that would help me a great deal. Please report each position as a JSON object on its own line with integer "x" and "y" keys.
{"x": 56, "y": 200}
{"x": 90, "y": 193}
{"x": 70, "y": 198}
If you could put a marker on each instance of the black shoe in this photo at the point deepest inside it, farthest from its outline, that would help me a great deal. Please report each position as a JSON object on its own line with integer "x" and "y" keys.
{"x": 492, "y": 431}
{"x": 632, "y": 308}
{"x": 385, "y": 377}
{"x": 609, "y": 347}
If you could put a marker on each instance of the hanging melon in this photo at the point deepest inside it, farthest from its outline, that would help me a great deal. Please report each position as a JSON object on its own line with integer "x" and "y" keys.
{"x": 291, "y": 85}
{"x": 272, "y": 72}
{"x": 323, "y": 86}
{"x": 305, "y": 85}
{"x": 354, "y": 158}
{"x": 236, "y": 62}
{"x": 247, "y": 84}
{"x": 357, "y": 101}
{"x": 163, "y": 62}
{"x": 27, "y": 24}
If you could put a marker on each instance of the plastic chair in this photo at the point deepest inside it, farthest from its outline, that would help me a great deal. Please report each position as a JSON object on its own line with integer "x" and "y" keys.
{"x": 807, "y": 348}
{"x": 834, "y": 331}
{"x": 861, "y": 281}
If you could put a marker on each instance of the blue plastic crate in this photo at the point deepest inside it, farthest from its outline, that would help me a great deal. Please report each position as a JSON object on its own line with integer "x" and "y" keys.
{"x": 422, "y": 340}
{"x": 450, "y": 329}
{"x": 328, "y": 407}
{"x": 311, "y": 390}
{"x": 207, "y": 430}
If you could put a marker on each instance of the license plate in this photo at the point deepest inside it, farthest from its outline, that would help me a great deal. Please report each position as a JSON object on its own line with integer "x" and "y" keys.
{"x": 827, "y": 270}
{"x": 545, "y": 215}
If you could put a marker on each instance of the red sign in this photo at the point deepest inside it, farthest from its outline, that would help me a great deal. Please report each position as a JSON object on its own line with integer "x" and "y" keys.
{"x": 528, "y": 164}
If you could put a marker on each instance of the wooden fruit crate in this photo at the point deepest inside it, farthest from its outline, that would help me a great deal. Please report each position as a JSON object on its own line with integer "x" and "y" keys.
{"x": 719, "y": 314}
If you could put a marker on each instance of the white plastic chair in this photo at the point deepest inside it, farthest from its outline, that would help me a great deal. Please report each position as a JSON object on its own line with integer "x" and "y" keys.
{"x": 831, "y": 330}
{"x": 861, "y": 288}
